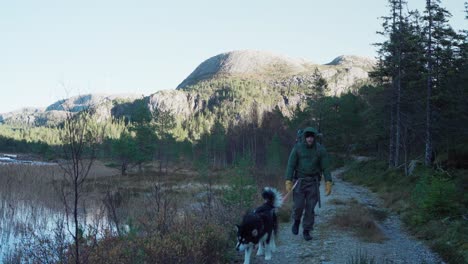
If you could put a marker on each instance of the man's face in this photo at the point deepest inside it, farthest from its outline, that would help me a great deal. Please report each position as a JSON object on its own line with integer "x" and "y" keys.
{"x": 310, "y": 140}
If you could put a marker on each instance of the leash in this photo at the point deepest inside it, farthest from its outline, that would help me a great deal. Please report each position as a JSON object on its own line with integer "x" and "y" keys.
{"x": 317, "y": 190}
{"x": 287, "y": 195}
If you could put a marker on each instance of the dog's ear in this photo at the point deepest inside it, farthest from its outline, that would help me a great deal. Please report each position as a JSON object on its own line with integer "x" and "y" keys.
{"x": 237, "y": 228}
{"x": 254, "y": 232}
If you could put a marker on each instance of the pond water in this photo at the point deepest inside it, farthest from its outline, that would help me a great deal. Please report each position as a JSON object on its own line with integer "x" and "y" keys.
{"x": 30, "y": 205}
{"x": 9, "y": 160}
{"x": 23, "y": 222}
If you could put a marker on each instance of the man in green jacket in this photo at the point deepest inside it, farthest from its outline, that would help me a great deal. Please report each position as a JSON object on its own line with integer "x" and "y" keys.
{"x": 309, "y": 160}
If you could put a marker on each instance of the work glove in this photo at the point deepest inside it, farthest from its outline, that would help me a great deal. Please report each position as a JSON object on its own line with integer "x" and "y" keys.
{"x": 328, "y": 188}
{"x": 289, "y": 186}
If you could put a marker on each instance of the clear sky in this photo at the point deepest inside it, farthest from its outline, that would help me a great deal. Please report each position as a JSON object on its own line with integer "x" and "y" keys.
{"x": 50, "y": 50}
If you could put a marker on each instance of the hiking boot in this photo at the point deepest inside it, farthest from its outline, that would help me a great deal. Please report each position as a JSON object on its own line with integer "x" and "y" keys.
{"x": 307, "y": 235}
{"x": 295, "y": 227}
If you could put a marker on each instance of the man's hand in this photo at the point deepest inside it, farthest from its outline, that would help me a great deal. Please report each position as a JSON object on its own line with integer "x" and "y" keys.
{"x": 328, "y": 188}
{"x": 289, "y": 186}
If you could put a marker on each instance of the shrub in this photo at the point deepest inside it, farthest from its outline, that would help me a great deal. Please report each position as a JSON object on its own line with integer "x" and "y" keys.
{"x": 242, "y": 189}
{"x": 190, "y": 241}
{"x": 435, "y": 197}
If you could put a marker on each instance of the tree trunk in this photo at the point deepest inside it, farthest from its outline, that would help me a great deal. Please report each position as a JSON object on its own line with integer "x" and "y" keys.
{"x": 398, "y": 95}
{"x": 123, "y": 168}
{"x": 391, "y": 147}
{"x": 75, "y": 219}
{"x": 428, "y": 151}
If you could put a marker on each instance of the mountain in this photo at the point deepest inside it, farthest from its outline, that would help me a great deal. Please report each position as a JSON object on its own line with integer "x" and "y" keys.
{"x": 271, "y": 80}
{"x": 224, "y": 88}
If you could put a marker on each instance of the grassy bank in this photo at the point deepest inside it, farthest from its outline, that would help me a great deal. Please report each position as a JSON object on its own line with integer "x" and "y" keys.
{"x": 431, "y": 203}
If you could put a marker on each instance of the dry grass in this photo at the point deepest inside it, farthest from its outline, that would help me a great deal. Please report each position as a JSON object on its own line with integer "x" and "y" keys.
{"x": 360, "y": 220}
{"x": 379, "y": 214}
{"x": 284, "y": 213}
{"x": 336, "y": 201}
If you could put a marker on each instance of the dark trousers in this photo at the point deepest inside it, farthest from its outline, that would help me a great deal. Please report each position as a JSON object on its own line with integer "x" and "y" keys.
{"x": 305, "y": 197}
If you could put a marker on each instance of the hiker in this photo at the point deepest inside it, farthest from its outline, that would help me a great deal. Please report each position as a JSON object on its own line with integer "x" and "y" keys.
{"x": 307, "y": 161}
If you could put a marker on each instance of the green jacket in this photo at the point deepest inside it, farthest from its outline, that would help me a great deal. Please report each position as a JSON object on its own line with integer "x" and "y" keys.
{"x": 308, "y": 160}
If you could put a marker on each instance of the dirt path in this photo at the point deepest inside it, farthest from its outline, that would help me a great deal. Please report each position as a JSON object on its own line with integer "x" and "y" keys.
{"x": 333, "y": 245}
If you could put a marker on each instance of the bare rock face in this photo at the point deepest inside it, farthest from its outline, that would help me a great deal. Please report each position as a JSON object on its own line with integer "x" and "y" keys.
{"x": 341, "y": 79}
{"x": 179, "y": 103}
{"x": 353, "y": 61}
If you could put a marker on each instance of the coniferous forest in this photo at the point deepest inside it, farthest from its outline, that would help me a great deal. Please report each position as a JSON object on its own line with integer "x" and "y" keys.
{"x": 410, "y": 119}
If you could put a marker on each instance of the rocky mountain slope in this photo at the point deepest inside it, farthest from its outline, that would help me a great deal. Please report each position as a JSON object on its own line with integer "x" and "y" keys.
{"x": 227, "y": 85}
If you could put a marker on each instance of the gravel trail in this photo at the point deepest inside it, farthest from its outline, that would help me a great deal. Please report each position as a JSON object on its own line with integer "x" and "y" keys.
{"x": 333, "y": 245}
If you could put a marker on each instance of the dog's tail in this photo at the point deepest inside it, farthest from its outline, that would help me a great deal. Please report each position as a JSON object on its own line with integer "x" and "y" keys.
{"x": 273, "y": 197}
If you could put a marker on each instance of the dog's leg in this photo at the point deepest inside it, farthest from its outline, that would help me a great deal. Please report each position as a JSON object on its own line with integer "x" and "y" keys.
{"x": 248, "y": 252}
{"x": 268, "y": 250}
{"x": 273, "y": 242}
{"x": 261, "y": 250}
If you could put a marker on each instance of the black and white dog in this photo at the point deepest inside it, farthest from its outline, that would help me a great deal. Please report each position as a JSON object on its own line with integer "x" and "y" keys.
{"x": 259, "y": 227}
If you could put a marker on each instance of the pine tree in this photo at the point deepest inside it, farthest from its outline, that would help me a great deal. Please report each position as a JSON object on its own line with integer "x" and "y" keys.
{"x": 273, "y": 155}
{"x": 441, "y": 40}
{"x": 388, "y": 73}
{"x": 125, "y": 151}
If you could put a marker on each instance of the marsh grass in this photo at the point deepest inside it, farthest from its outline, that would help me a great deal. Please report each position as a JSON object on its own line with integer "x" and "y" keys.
{"x": 336, "y": 201}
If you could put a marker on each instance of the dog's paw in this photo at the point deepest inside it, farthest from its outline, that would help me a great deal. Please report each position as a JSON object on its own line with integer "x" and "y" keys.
{"x": 273, "y": 248}
{"x": 267, "y": 257}
{"x": 260, "y": 251}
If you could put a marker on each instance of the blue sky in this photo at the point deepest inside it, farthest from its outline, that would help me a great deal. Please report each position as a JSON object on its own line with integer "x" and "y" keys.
{"x": 50, "y": 50}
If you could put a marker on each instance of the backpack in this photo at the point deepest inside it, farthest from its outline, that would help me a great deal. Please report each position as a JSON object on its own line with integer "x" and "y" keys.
{"x": 299, "y": 136}
{"x": 299, "y": 139}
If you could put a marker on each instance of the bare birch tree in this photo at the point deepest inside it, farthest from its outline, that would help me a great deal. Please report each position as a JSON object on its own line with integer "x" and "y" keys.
{"x": 80, "y": 137}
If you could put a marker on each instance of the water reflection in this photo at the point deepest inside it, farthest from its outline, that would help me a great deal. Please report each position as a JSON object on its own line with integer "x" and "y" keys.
{"x": 31, "y": 208}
